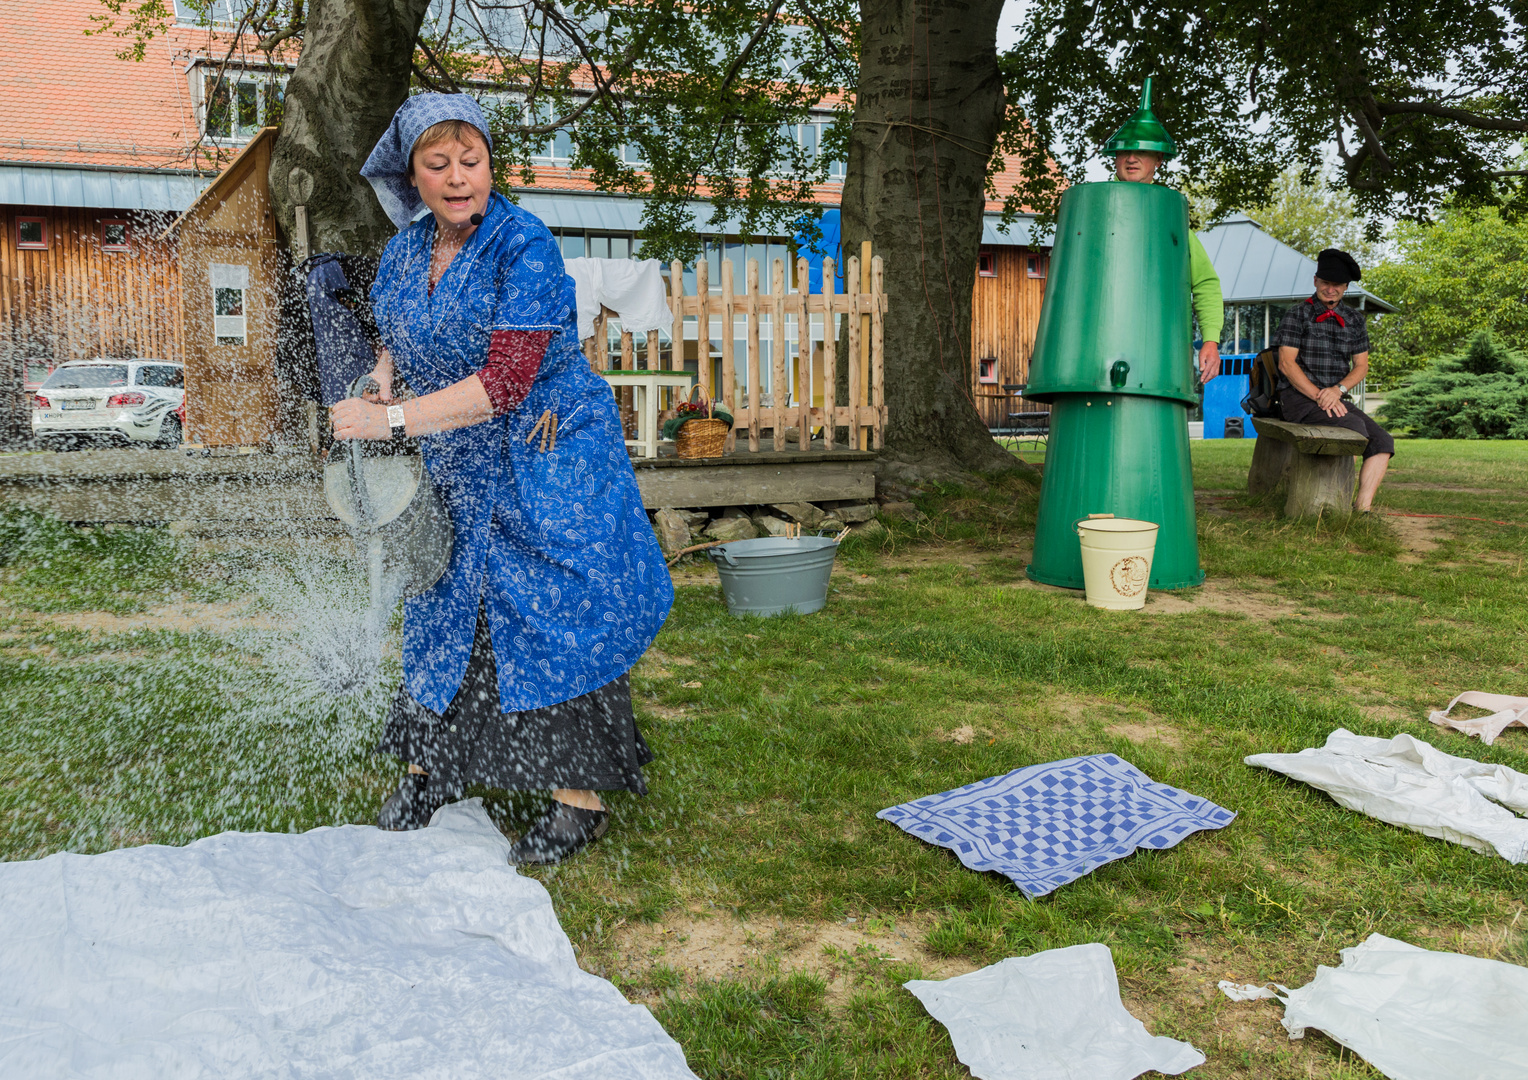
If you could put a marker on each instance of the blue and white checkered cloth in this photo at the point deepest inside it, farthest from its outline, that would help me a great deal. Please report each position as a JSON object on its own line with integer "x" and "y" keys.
{"x": 1046, "y": 825}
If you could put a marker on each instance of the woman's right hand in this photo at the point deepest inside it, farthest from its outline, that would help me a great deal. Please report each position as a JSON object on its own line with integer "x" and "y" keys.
{"x": 382, "y": 375}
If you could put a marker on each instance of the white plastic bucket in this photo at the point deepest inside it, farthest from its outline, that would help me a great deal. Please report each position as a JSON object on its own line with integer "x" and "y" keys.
{"x": 1116, "y": 560}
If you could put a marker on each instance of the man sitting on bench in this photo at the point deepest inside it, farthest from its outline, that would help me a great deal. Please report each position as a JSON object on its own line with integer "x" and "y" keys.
{"x": 1323, "y": 354}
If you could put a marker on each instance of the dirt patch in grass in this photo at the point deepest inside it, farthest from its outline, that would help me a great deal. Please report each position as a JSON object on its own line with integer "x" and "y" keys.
{"x": 1144, "y": 733}
{"x": 707, "y": 947}
{"x": 184, "y": 618}
{"x": 1418, "y": 485}
{"x": 1231, "y": 597}
{"x": 964, "y": 735}
{"x": 1418, "y": 536}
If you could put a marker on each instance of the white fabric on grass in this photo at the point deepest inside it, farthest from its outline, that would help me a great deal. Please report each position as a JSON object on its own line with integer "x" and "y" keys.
{"x": 340, "y": 952}
{"x": 1415, "y": 1014}
{"x": 1510, "y": 711}
{"x": 634, "y": 290}
{"x": 1406, "y": 782}
{"x": 1055, "y": 1015}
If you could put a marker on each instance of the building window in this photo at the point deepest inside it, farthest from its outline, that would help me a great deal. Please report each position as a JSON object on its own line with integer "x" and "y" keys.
{"x": 1036, "y": 265}
{"x": 114, "y": 235}
{"x": 986, "y": 264}
{"x": 986, "y": 369}
{"x": 236, "y": 106}
{"x": 230, "y": 285}
{"x": 32, "y": 233}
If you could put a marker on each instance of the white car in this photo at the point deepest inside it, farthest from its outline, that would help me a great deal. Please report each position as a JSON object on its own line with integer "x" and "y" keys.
{"x": 139, "y": 401}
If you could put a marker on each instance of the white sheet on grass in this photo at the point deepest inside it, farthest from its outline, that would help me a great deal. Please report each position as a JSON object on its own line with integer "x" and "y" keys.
{"x": 1407, "y": 782}
{"x": 340, "y": 952}
{"x": 1415, "y": 1014}
{"x": 1509, "y": 711}
{"x": 1055, "y": 1015}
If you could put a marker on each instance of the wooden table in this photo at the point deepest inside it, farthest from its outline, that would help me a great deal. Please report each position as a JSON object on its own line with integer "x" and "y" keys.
{"x": 646, "y": 385}
{"x": 1314, "y": 460}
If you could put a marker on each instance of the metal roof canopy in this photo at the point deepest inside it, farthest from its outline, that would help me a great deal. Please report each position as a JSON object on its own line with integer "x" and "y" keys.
{"x": 1255, "y": 268}
{"x": 106, "y": 189}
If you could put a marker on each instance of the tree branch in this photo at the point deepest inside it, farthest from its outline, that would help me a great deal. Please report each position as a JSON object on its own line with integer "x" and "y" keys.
{"x": 1459, "y": 116}
{"x": 742, "y": 57}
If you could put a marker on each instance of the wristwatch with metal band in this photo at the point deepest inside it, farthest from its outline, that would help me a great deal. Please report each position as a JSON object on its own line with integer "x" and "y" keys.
{"x": 395, "y": 421}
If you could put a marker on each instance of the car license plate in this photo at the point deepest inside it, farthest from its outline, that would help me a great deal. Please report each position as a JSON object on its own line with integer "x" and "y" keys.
{"x": 79, "y": 405}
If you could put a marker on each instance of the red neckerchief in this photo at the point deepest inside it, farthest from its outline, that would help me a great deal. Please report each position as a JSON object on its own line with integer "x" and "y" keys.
{"x": 1329, "y": 313}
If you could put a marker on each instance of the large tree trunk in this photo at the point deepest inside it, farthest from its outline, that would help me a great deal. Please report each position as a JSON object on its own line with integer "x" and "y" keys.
{"x": 354, "y": 72}
{"x": 926, "y": 119}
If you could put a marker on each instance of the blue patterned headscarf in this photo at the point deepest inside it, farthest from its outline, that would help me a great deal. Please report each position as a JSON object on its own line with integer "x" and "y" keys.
{"x": 387, "y": 167}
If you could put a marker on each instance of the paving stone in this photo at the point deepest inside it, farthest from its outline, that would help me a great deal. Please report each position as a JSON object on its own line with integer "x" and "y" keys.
{"x": 731, "y": 528}
{"x": 805, "y": 513}
{"x": 673, "y": 531}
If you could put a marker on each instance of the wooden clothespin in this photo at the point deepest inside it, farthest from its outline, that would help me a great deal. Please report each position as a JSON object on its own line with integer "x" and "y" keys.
{"x": 546, "y": 426}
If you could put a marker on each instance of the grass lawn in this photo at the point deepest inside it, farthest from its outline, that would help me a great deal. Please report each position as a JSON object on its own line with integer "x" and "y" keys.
{"x": 753, "y": 900}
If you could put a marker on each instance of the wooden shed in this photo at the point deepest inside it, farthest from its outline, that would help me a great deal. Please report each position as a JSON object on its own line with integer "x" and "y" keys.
{"x": 1005, "y": 312}
{"x": 232, "y": 259}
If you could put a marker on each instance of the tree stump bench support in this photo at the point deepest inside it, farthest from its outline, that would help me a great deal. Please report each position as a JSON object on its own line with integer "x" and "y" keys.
{"x": 1314, "y": 461}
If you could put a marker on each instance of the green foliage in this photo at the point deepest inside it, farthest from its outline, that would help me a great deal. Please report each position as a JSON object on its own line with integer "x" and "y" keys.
{"x": 1421, "y": 100}
{"x": 1481, "y": 393}
{"x": 1466, "y": 272}
{"x": 1310, "y": 214}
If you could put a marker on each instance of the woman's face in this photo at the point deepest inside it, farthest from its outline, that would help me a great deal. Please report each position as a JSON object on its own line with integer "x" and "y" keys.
{"x": 454, "y": 180}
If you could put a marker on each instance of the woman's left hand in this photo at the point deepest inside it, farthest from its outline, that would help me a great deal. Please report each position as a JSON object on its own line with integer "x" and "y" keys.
{"x": 357, "y": 419}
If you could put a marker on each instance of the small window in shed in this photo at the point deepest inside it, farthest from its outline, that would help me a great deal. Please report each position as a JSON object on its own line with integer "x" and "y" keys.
{"x": 114, "y": 235}
{"x": 32, "y": 232}
{"x": 986, "y": 369}
{"x": 1036, "y": 265}
{"x": 230, "y": 284}
{"x": 986, "y": 264}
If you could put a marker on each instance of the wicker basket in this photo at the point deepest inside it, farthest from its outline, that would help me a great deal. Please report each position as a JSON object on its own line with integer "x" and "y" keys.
{"x": 702, "y": 438}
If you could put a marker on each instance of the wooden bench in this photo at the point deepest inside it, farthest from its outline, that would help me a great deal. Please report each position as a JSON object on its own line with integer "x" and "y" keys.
{"x": 1314, "y": 461}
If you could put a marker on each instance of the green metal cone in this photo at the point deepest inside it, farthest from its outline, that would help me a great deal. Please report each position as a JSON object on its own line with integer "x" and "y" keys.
{"x": 1143, "y": 131}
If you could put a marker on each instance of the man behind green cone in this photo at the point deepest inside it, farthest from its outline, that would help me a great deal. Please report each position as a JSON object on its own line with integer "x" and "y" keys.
{"x": 1139, "y": 148}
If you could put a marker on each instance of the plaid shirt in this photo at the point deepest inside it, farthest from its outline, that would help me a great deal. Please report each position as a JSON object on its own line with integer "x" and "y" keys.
{"x": 1327, "y": 347}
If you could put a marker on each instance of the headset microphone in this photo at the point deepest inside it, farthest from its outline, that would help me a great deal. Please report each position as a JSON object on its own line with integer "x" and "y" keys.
{"x": 476, "y": 219}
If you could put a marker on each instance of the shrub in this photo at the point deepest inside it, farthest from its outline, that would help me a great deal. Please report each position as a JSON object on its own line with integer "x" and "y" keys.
{"x": 1481, "y": 393}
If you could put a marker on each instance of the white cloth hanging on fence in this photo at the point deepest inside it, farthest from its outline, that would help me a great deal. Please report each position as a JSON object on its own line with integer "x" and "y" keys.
{"x": 1509, "y": 711}
{"x": 1416, "y": 1014}
{"x": 634, "y": 290}
{"x": 343, "y": 952}
{"x": 1407, "y": 782}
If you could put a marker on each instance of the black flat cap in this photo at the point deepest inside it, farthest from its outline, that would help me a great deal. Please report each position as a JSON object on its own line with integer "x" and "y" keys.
{"x": 1338, "y": 267}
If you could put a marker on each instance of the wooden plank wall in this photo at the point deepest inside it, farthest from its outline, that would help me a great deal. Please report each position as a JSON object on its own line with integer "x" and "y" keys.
{"x": 1005, "y": 311}
{"x": 74, "y": 301}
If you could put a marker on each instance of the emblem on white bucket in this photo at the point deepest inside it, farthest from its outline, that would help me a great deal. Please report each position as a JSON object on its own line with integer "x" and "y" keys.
{"x": 1129, "y": 575}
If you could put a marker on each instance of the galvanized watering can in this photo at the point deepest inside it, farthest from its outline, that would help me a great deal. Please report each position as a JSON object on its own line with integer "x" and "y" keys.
{"x": 386, "y": 498}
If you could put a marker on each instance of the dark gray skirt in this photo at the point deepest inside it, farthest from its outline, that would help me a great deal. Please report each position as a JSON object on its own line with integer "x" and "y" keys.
{"x": 588, "y": 743}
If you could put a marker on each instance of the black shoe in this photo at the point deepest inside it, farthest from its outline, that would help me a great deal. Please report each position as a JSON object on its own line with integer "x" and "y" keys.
{"x": 562, "y": 831}
{"x": 410, "y": 807}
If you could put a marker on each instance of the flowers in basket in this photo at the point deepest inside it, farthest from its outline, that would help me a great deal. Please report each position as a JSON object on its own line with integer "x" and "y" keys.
{"x": 694, "y": 410}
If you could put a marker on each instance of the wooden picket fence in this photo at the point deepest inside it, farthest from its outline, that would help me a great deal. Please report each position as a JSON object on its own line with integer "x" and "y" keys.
{"x": 810, "y": 377}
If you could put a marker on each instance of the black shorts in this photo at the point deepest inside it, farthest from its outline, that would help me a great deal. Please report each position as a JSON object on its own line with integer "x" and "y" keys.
{"x": 1299, "y": 409}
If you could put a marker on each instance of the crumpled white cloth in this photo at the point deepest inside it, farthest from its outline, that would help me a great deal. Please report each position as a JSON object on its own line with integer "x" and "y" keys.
{"x": 1509, "y": 710}
{"x": 633, "y": 289}
{"x": 1407, "y": 782}
{"x": 1245, "y": 991}
{"x": 1415, "y": 1014}
{"x": 340, "y": 952}
{"x": 1055, "y": 1015}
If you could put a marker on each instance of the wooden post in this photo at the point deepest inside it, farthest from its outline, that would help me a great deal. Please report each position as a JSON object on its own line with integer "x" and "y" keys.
{"x": 703, "y": 324}
{"x": 829, "y": 353}
{"x": 779, "y": 379}
{"x": 753, "y": 356}
{"x": 863, "y": 437}
{"x": 676, "y": 289}
{"x": 729, "y": 375}
{"x": 804, "y": 356}
{"x": 877, "y": 351}
{"x": 856, "y": 344}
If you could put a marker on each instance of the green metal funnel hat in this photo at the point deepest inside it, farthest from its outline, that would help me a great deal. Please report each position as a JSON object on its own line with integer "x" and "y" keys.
{"x": 1143, "y": 131}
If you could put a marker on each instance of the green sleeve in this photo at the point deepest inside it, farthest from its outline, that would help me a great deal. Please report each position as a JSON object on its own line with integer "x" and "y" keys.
{"x": 1204, "y": 283}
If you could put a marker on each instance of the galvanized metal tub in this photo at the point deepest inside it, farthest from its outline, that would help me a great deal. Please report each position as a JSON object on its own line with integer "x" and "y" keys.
{"x": 773, "y": 575}
{"x": 389, "y": 501}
